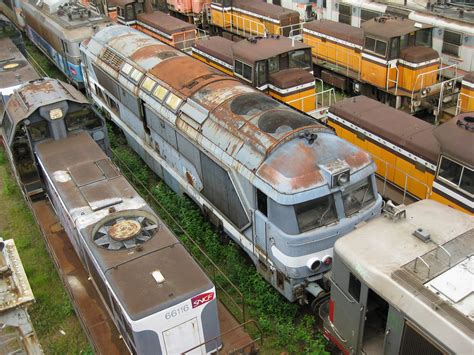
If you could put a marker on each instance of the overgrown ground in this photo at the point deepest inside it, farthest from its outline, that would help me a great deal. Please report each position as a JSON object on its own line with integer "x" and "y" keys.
{"x": 52, "y": 314}
{"x": 285, "y": 326}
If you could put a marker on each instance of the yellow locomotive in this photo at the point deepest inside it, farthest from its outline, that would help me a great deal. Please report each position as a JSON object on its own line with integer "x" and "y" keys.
{"x": 421, "y": 159}
{"x": 275, "y": 65}
{"x": 389, "y": 59}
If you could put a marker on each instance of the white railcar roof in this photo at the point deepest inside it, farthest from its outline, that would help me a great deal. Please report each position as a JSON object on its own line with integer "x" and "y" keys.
{"x": 411, "y": 274}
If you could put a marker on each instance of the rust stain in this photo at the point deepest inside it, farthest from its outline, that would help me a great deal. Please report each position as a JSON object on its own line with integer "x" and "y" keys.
{"x": 358, "y": 159}
{"x": 189, "y": 177}
{"x": 147, "y": 52}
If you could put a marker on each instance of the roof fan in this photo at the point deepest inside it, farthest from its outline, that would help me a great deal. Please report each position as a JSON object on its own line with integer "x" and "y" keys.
{"x": 125, "y": 232}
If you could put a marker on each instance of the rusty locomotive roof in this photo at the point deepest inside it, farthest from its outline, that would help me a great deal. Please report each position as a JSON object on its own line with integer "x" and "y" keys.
{"x": 456, "y": 138}
{"x": 268, "y": 10}
{"x": 29, "y": 97}
{"x": 14, "y": 68}
{"x": 89, "y": 186}
{"x": 218, "y": 47}
{"x": 395, "y": 126}
{"x": 386, "y": 27}
{"x": 337, "y": 30}
{"x": 237, "y": 120}
{"x": 165, "y": 23}
{"x": 260, "y": 48}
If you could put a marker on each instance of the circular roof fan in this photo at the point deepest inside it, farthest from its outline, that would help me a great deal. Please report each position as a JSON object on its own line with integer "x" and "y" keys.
{"x": 125, "y": 232}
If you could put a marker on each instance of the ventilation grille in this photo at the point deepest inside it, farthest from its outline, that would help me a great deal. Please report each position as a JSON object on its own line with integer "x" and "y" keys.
{"x": 125, "y": 232}
{"x": 112, "y": 59}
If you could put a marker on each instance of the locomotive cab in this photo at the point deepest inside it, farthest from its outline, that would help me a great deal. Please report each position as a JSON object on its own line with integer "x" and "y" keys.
{"x": 128, "y": 10}
{"x": 398, "y": 57}
{"x": 27, "y": 122}
{"x": 275, "y": 65}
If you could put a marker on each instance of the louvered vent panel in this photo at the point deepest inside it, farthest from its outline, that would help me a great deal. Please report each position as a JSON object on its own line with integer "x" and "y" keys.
{"x": 112, "y": 59}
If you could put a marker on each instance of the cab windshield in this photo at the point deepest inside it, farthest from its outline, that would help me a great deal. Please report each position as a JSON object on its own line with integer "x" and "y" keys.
{"x": 315, "y": 213}
{"x": 357, "y": 196}
{"x": 83, "y": 119}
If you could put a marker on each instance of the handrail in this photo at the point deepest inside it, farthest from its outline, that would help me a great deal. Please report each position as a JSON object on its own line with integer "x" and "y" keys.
{"x": 406, "y": 175}
{"x": 424, "y": 262}
{"x": 459, "y": 103}
{"x": 255, "y": 28}
{"x": 447, "y": 253}
{"x": 217, "y": 338}
{"x": 196, "y": 245}
{"x": 330, "y": 93}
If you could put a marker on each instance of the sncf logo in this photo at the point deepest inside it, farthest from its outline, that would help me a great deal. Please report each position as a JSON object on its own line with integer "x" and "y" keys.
{"x": 202, "y": 298}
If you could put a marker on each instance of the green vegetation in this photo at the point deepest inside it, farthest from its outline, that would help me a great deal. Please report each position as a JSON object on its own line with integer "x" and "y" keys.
{"x": 285, "y": 326}
{"x": 41, "y": 63}
{"x": 52, "y": 314}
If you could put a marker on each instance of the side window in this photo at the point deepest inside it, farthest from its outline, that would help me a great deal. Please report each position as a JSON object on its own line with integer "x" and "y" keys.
{"x": 451, "y": 43}
{"x": 354, "y": 287}
{"x": 262, "y": 203}
{"x": 450, "y": 171}
{"x": 377, "y": 46}
{"x": 345, "y": 13}
{"x": 243, "y": 70}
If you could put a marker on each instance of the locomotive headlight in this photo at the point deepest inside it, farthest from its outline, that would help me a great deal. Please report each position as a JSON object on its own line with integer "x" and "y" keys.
{"x": 341, "y": 178}
{"x": 424, "y": 92}
{"x": 56, "y": 113}
{"x": 313, "y": 264}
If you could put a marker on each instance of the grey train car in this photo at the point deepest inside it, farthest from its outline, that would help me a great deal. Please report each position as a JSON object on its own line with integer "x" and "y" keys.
{"x": 282, "y": 186}
{"x": 41, "y": 110}
{"x": 57, "y": 27}
{"x": 404, "y": 284}
{"x": 15, "y": 70}
{"x": 156, "y": 294}
{"x": 9, "y": 30}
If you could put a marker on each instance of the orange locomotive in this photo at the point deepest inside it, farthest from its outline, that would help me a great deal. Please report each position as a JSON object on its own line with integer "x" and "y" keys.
{"x": 389, "y": 59}
{"x": 421, "y": 159}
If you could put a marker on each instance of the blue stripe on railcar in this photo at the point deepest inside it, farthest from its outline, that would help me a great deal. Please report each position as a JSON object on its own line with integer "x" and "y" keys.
{"x": 71, "y": 70}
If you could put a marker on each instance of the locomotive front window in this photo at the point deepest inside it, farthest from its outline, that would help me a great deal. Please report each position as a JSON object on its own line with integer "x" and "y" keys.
{"x": 261, "y": 73}
{"x": 300, "y": 59}
{"x": 273, "y": 65}
{"x": 129, "y": 15}
{"x": 83, "y": 119}
{"x": 357, "y": 196}
{"x": 39, "y": 130}
{"x": 423, "y": 38}
{"x": 315, "y": 213}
